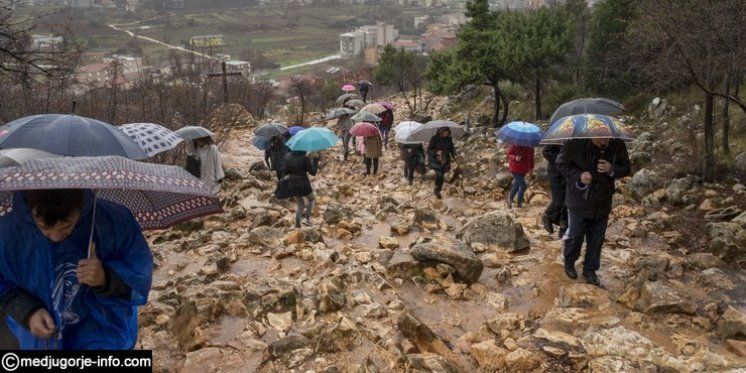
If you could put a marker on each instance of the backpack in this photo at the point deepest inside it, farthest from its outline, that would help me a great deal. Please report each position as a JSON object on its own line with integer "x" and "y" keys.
{"x": 194, "y": 166}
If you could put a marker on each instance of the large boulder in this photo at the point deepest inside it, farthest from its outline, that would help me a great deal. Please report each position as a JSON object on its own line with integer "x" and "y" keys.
{"x": 678, "y": 190}
{"x": 658, "y": 297}
{"x": 644, "y": 182}
{"x": 456, "y": 253}
{"x": 496, "y": 228}
{"x": 727, "y": 240}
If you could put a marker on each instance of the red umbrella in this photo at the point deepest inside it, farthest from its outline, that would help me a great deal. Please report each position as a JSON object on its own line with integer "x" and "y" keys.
{"x": 365, "y": 129}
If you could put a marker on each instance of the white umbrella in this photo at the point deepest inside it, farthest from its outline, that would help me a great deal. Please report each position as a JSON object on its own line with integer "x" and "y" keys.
{"x": 404, "y": 129}
{"x": 429, "y": 129}
{"x": 193, "y": 132}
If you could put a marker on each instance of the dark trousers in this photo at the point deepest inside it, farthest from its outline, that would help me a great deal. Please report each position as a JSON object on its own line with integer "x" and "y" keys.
{"x": 368, "y": 163}
{"x": 440, "y": 176}
{"x": 346, "y": 143}
{"x": 593, "y": 232}
{"x": 556, "y": 212}
{"x": 385, "y": 133}
{"x": 519, "y": 187}
{"x": 364, "y": 93}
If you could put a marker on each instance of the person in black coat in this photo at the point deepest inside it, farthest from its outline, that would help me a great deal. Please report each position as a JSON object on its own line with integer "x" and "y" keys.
{"x": 590, "y": 168}
{"x": 274, "y": 156}
{"x": 413, "y": 156}
{"x": 296, "y": 184}
{"x": 556, "y": 212}
{"x": 440, "y": 151}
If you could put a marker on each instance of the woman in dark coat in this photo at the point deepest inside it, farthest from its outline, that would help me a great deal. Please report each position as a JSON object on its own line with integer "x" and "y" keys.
{"x": 440, "y": 152}
{"x": 296, "y": 184}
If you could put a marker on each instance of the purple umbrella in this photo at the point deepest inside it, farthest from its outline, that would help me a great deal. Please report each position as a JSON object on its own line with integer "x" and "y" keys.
{"x": 159, "y": 196}
{"x": 295, "y": 129}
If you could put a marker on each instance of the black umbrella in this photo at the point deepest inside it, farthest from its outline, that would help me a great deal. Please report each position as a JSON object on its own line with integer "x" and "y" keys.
{"x": 365, "y": 82}
{"x": 347, "y": 96}
{"x": 271, "y": 130}
{"x": 587, "y": 106}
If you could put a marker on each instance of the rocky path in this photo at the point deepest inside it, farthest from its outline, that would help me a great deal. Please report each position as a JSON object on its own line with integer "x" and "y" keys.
{"x": 391, "y": 279}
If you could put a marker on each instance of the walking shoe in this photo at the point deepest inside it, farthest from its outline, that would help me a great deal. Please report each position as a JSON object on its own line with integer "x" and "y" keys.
{"x": 592, "y": 279}
{"x": 547, "y": 224}
{"x": 437, "y": 194}
{"x": 307, "y": 222}
{"x": 509, "y": 201}
{"x": 570, "y": 271}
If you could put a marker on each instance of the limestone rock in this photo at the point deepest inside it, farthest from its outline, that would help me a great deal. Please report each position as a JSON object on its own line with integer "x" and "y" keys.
{"x": 506, "y": 321}
{"x": 522, "y": 360}
{"x": 428, "y": 362}
{"x": 580, "y": 295}
{"x": 335, "y": 213}
{"x": 731, "y": 324}
{"x": 489, "y": 355}
{"x": 264, "y": 236}
{"x": 559, "y": 339}
{"x": 284, "y": 346}
{"x": 644, "y": 182}
{"x": 403, "y": 265}
{"x": 330, "y": 297}
{"x": 496, "y": 228}
{"x": 203, "y": 361}
{"x": 455, "y": 253}
{"x": 386, "y": 242}
{"x": 294, "y": 238}
{"x": 704, "y": 261}
{"x": 727, "y": 240}
{"x": 658, "y": 297}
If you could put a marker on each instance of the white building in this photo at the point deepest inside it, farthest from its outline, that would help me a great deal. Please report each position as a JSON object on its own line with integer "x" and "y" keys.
{"x": 353, "y": 43}
{"x": 45, "y": 42}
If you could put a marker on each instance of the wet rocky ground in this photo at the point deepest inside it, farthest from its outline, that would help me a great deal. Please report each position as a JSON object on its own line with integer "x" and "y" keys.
{"x": 391, "y": 279}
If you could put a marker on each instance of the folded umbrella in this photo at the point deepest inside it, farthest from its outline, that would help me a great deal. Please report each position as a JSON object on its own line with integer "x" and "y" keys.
{"x": 404, "y": 129}
{"x": 365, "y": 117}
{"x": 271, "y": 130}
{"x": 429, "y": 129}
{"x": 69, "y": 135}
{"x": 295, "y": 129}
{"x": 16, "y": 157}
{"x": 152, "y": 138}
{"x": 348, "y": 87}
{"x": 313, "y": 139}
{"x": 520, "y": 133}
{"x": 364, "y": 129}
{"x": 374, "y": 108}
{"x": 345, "y": 97}
{"x": 159, "y": 196}
{"x": 338, "y": 113}
{"x": 193, "y": 132}
{"x": 587, "y": 126}
{"x": 587, "y": 106}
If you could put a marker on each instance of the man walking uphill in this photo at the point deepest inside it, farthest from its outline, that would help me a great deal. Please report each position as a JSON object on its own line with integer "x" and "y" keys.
{"x": 590, "y": 168}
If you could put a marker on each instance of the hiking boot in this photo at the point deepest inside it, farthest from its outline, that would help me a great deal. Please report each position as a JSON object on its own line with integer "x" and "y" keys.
{"x": 592, "y": 279}
{"x": 547, "y": 224}
{"x": 570, "y": 271}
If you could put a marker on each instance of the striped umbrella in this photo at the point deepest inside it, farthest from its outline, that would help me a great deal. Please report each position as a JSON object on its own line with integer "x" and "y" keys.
{"x": 520, "y": 133}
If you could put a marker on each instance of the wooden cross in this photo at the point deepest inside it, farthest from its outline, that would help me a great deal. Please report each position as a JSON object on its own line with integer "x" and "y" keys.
{"x": 225, "y": 74}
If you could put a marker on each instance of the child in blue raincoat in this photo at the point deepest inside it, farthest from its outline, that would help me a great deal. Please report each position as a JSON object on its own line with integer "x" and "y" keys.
{"x": 52, "y": 295}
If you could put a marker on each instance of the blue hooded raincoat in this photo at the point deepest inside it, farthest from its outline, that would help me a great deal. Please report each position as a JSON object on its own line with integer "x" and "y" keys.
{"x": 47, "y": 271}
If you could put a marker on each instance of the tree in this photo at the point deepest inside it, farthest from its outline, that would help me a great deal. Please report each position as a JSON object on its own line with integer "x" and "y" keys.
{"x": 543, "y": 39}
{"x": 406, "y": 71}
{"x": 608, "y": 67}
{"x": 679, "y": 43}
{"x": 302, "y": 88}
{"x": 580, "y": 15}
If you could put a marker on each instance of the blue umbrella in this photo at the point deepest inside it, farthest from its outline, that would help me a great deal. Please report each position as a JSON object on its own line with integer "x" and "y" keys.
{"x": 261, "y": 142}
{"x": 520, "y": 133}
{"x": 313, "y": 139}
{"x": 69, "y": 135}
{"x": 295, "y": 129}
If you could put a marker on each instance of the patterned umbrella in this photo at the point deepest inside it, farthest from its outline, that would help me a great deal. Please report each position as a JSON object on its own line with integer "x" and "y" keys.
{"x": 193, "y": 132}
{"x": 159, "y": 196}
{"x": 365, "y": 129}
{"x": 69, "y": 135}
{"x": 429, "y": 129}
{"x": 271, "y": 130}
{"x": 152, "y": 138}
{"x": 366, "y": 117}
{"x": 345, "y": 97}
{"x": 404, "y": 129}
{"x": 15, "y": 157}
{"x": 587, "y": 126}
{"x": 348, "y": 87}
{"x": 337, "y": 113}
{"x": 374, "y": 108}
{"x": 355, "y": 103}
{"x": 520, "y": 133}
{"x": 313, "y": 139}
{"x": 587, "y": 106}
